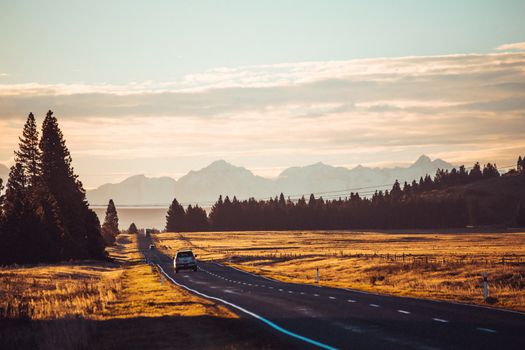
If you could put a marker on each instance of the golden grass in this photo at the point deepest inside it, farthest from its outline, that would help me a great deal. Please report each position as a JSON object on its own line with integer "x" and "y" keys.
{"x": 97, "y": 291}
{"x": 109, "y": 305}
{"x": 446, "y": 266}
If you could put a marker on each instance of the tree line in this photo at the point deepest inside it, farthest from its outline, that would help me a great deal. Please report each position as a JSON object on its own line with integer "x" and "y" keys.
{"x": 44, "y": 214}
{"x": 408, "y": 206}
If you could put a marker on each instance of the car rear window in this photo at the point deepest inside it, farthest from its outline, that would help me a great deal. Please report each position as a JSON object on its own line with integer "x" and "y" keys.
{"x": 185, "y": 255}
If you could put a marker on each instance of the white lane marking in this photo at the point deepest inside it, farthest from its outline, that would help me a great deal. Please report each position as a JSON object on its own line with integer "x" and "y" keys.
{"x": 268, "y": 322}
{"x": 333, "y": 298}
{"x": 249, "y": 273}
{"x": 440, "y": 320}
{"x": 250, "y": 284}
{"x": 404, "y": 312}
{"x": 488, "y": 330}
{"x": 270, "y": 287}
{"x": 351, "y": 300}
{"x": 440, "y": 301}
{"x": 290, "y": 292}
{"x": 316, "y": 295}
{"x": 373, "y": 305}
{"x": 280, "y": 290}
{"x": 302, "y": 293}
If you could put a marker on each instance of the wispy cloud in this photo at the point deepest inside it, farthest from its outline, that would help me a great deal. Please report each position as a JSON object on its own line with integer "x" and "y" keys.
{"x": 513, "y": 46}
{"x": 271, "y": 116}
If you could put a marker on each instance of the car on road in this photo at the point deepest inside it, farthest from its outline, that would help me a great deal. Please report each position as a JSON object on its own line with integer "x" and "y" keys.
{"x": 151, "y": 246}
{"x": 185, "y": 260}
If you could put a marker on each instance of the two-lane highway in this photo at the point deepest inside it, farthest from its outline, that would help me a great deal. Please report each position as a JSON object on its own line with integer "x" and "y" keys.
{"x": 338, "y": 318}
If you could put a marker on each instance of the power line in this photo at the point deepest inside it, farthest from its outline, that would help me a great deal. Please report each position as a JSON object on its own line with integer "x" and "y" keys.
{"x": 293, "y": 197}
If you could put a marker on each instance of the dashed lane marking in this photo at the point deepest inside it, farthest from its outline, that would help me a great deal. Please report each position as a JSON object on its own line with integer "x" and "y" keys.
{"x": 373, "y": 305}
{"x": 440, "y": 320}
{"x": 488, "y": 330}
{"x": 260, "y": 318}
{"x": 351, "y": 300}
{"x": 333, "y": 298}
{"x": 404, "y": 312}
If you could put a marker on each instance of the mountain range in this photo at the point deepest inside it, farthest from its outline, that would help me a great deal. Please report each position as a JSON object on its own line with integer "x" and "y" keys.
{"x": 222, "y": 178}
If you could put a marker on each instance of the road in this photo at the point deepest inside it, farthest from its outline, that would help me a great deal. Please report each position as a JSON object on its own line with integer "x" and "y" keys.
{"x": 322, "y": 317}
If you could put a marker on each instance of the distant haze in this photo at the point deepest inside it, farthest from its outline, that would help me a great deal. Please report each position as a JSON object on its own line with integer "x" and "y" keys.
{"x": 204, "y": 186}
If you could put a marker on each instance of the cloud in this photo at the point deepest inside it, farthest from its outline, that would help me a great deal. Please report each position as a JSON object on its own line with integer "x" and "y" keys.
{"x": 273, "y": 116}
{"x": 513, "y": 46}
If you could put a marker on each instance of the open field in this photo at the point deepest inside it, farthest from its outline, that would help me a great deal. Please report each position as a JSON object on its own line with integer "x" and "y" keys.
{"x": 446, "y": 266}
{"x": 110, "y": 306}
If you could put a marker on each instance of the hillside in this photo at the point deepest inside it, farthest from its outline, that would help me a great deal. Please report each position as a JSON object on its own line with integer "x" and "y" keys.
{"x": 220, "y": 177}
{"x": 490, "y": 201}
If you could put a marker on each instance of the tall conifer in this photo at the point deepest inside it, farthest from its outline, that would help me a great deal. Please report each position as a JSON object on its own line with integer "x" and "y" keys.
{"x": 82, "y": 238}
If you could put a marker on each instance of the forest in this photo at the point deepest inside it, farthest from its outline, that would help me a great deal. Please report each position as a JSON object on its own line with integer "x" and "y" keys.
{"x": 419, "y": 204}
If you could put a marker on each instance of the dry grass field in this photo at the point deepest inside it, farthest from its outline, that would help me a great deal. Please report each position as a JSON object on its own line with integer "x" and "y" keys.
{"x": 121, "y": 305}
{"x": 446, "y": 265}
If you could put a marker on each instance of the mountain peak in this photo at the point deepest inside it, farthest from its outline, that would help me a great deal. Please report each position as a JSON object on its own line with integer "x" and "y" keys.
{"x": 422, "y": 161}
{"x": 221, "y": 163}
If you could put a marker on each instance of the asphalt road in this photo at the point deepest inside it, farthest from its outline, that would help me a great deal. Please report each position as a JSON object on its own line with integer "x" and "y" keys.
{"x": 317, "y": 317}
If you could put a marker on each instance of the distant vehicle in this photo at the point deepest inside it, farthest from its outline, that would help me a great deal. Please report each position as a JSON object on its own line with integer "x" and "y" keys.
{"x": 151, "y": 246}
{"x": 185, "y": 260}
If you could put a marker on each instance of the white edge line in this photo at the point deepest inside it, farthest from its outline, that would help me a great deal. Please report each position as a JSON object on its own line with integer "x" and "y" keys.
{"x": 260, "y": 318}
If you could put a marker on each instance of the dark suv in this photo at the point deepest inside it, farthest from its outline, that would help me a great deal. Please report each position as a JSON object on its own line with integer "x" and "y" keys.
{"x": 185, "y": 260}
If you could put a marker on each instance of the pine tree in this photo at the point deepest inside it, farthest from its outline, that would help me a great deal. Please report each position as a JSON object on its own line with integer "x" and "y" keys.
{"x": 29, "y": 153}
{"x": 475, "y": 173}
{"x": 14, "y": 209}
{"x": 30, "y": 219}
{"x": 81, "y": 229}
{"x": 110, "y": 227}
{"x": 133, "y": 229}
{"x": 175, "y": 219}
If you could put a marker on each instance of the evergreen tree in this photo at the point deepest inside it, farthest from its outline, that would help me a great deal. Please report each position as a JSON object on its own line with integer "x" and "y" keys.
{"x": 196, "y": 219}
{"x": 475, "y": 173}
{"x": 81, "y": 229}
{"x": 175, "y": 220}
{"x": 110, "y": 227}
{"x": 133, "y": 228}
{"x": 490, "y": 170}
{"x": 29, "y": 153}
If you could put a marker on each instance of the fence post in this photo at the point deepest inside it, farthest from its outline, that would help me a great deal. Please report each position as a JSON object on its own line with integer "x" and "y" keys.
{"x": 317, "y": 275}
{"x": 485, "y": 287}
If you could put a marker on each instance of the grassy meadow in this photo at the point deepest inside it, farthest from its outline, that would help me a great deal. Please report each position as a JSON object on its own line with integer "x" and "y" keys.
{"x": 444, "y": 265}
{"x": 120, "y": 305}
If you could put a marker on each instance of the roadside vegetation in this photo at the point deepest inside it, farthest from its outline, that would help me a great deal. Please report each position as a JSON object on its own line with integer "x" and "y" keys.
{"x": 114, "y": 305}
{"x": 436, "y": 265}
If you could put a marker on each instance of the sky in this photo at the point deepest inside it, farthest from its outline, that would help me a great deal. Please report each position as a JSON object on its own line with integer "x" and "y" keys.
{"x": 164, "y": 87}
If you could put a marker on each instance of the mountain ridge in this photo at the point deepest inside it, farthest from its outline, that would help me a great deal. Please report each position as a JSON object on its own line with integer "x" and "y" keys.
{"x": 204, "y": 186}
